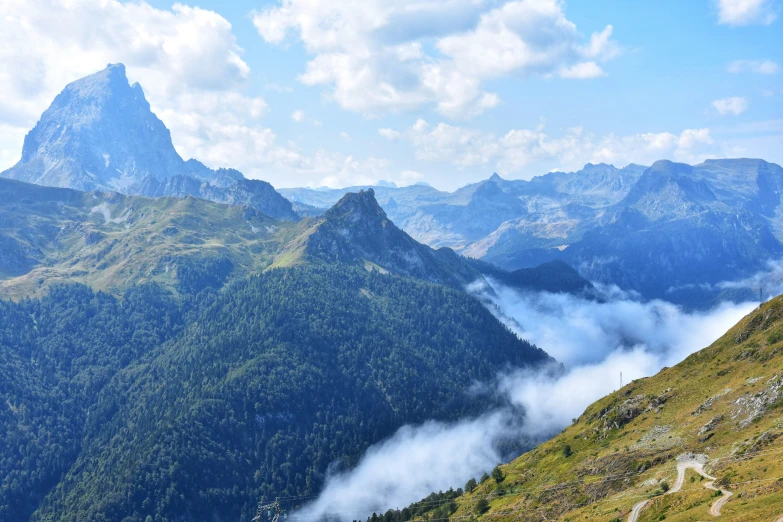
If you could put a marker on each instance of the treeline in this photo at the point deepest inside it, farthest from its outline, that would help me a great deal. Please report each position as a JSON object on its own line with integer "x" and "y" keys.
{"x": 441, "y": 505}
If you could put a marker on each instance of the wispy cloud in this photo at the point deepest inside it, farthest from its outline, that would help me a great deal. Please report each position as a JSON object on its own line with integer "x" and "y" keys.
{"x": 747, "y": 12}
{"x": 734, "y": 105}
{"x": 753, "y": 66}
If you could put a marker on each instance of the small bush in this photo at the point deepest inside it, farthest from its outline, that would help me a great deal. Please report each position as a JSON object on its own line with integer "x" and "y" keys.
{"x": 481, "y": 507}
{"x": 567, "y": 451}
{"x": 497, "y": 474}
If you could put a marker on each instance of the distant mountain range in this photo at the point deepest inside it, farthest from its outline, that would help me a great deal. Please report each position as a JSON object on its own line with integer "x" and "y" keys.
{"x": 100, "y": 134}
{"x": 113, "y": 242}
{"x": 669, "y": 231}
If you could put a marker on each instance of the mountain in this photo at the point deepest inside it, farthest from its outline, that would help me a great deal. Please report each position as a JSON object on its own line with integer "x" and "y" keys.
{"x": 196, "y": 407}
{"x": 553, "y": 276}
{"x": 670, "y": 231}
{"x": 99, "y": 133}
{"x": 112, "y": 242}
{"x": 356, "y": 231}
{"x": 697, "y": 440}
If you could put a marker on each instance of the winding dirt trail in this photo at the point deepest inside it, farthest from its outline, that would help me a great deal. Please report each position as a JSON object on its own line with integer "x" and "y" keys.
{"x": 684, "y": 463}
{"x": 715, "y": 508}
{"x": 779, "y": 519}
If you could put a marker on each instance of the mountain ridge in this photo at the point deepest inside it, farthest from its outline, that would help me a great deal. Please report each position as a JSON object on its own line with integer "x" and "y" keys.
{"x": 112, "y": 241}
{"x": 606, "y": 222}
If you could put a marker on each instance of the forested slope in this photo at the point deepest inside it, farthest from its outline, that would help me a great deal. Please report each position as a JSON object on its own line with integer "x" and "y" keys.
{"x": 198, "y": 406}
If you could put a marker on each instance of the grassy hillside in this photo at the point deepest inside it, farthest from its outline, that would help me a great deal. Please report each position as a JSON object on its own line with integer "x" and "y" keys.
{"x": 722, "y": 406}
{"x": 112, "y": 242}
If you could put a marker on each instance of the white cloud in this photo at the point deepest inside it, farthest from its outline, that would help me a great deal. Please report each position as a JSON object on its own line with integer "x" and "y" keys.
{"x": 602, "y": 46}
{"x": 465, "y": 147}
{"x": 582, "y": 71}
{"x": 754, "y": 66}
{"x": 389, "y": 134}
{"x": 345, "y": 136}
{"x": 595, "y": 340}
{"x": 734, "y": 105}
{"x": 186, "y": 59}
{"x": 414, "y": 462}
{"x": 372, "y": 58}
{"x": 298, "y": 116}
{"x": 336, "y": 171}
{"x": 747, "y": 12}
{"x": 411, "y": 176}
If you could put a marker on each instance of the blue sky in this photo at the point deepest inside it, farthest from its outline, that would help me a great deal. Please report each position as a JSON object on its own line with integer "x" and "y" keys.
{"x": 444, "y": 92}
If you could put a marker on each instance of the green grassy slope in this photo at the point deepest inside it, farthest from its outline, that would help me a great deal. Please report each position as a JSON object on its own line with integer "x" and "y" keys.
{"x": 111, "y": 242}
{"x": 724, "y": 403}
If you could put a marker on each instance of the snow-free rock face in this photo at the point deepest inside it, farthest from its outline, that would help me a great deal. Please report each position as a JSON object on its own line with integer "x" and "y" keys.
{"x": 99, "y": 133}
{"x": 357, "y": 231}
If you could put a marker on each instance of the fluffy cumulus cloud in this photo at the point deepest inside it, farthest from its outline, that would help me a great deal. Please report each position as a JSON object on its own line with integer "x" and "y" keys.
{"x": 734, "y": 105}
{"x": 379, "y": 55}
{"x": 298, "y": 116}
{"x": 518, "y": 148}
{"x": 595, "y": 341}
{"x": 188, "y": 63}
{"x": 186, "y": 59}
{"x": 747, "y": 12}
{"x": 753, "y": 66}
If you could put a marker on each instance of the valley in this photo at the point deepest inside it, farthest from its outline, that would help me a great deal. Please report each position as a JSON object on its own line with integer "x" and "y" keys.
{"x": 699, "y": 439}
{"x": 181, "y": 341}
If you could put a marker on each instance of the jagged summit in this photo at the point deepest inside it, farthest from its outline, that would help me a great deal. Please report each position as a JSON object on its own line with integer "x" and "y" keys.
{"x": 357, "y": 231}
{"x": 100, "y": 133}
{"x": 357, "y": 206}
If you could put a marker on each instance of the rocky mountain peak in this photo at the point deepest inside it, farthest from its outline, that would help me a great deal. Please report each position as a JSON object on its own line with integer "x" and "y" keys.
{"x": 667, "y": 167}
{"x": 357, "y": 206}
{"x": 100, "y": 133}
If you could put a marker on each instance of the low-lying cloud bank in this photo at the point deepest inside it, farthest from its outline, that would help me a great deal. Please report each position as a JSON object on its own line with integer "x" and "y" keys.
{"x": 414, "y": 462}
{"x": 595, "y": 341}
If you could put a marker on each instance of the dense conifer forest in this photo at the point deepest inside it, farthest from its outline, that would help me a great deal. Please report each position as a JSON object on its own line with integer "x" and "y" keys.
{"x": 155, "y": 406}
